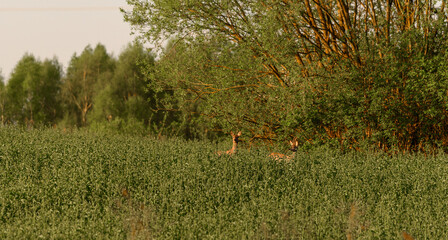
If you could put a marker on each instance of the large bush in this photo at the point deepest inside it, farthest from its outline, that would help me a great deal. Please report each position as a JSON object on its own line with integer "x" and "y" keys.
{"x": 354, "y": 73}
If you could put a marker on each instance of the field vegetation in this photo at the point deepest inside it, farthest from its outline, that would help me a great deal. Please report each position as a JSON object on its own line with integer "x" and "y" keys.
{"x": 116, "y": 147}
{"x": 87, "y": 185}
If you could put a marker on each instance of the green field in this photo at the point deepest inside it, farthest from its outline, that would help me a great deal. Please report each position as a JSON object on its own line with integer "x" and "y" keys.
{"x": 81, "y": 185}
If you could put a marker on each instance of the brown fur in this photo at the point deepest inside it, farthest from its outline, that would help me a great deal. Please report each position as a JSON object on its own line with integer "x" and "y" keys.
{"x": 279, "y": 156}
{"x": 235, "y": 140}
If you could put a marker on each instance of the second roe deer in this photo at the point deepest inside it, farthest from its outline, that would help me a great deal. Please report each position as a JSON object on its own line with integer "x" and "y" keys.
{"x": 235, "y": 139}
{"x": 279, "y": 156}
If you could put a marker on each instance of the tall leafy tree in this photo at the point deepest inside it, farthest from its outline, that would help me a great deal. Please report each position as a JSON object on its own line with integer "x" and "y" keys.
{"x": 18, "y": 105}
{"x": 323, "y": 70}
{"x": 49, "y": 91}
{"x": 42, "y": 91}
{"x": 83, "y": 74}
{"x": 2, "y": 99}
{"x": 32, "y": 91}
{"x": 124, "y": 95}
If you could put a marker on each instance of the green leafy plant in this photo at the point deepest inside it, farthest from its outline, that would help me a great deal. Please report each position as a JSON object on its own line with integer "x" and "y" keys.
{"x": 84, "y": 185}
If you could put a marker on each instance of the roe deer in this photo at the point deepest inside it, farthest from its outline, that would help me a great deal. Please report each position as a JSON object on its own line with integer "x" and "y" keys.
{"x": 235, "y": 144}
{"x": 279, "y": 156}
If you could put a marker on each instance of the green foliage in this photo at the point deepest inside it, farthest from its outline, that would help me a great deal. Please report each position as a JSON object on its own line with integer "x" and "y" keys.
{"x": 32, "y": 91}
{"x": 346, "y": 74}
{"x": 124, "y": 95}
{"x": 87, "y": 185}
{"x": 27, "y": 67}
{"x": 98, "y": 91}
{"x": 397, "y": 101}
{"x": 2, "y": 99}
{"x": 85, "y": 75}
{"x": 340, "y": 74}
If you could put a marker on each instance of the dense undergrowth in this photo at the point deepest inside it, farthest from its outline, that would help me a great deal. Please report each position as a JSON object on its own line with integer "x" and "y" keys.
{"x": 80, "y": 185}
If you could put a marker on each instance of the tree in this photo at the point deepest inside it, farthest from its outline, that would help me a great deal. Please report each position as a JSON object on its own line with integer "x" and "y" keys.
{"x": 124, "y": 94}
{"x": 199, "y": 84}
{"x": 32, "y": 91}
{"x": 27, "y": 67}
{"x": 323, "y": 70}
{"x": 83, "y": 73}
{"x": 2, "y": 100}
{"x": 49, "y": 91}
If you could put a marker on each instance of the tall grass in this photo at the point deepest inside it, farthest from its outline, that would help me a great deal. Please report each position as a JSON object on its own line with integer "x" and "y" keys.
{"x": 83, "y": 186}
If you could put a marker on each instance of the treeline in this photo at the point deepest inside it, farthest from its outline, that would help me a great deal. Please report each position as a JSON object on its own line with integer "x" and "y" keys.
{"x": 96, "y": 90}
{"x": 352, "y": 73}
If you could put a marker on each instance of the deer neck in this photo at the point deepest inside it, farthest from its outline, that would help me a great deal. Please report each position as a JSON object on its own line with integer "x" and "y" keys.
{"x": 233, "y": 150}
{"x": 294, "y": 150}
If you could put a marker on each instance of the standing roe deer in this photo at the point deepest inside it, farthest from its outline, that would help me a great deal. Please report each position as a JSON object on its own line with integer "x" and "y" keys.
{"x": 279, "y": 156}
{"x": 235, "y": 144}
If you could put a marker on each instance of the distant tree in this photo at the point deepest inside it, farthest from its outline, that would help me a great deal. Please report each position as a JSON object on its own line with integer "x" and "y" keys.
{"x": 130, "y": 81}
{"x": 80, "y": 84}
{"x": 27, "y": 67}
{"x": 50, "y": 90}
{"x": 124, "y": 94}
{"x": 42, "y": 91}
{"x": 188, "y": 73}
{"x": 2, "y": 99}
{"x": 32, "y": 91}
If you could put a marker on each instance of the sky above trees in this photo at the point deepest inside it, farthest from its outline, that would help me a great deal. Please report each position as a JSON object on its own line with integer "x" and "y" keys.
{"x": 48, "y": 28}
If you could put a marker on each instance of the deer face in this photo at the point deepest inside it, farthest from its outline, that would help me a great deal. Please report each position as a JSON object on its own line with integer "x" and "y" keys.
{"x": 294, "y": 145}
{"x": 236, "y": 136}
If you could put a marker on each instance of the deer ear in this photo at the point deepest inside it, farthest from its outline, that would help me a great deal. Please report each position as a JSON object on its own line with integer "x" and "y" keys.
{"x": 239, "y": 133}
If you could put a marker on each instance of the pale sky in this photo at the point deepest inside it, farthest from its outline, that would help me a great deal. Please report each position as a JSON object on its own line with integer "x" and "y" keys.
{"x": 48, "y": 28}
